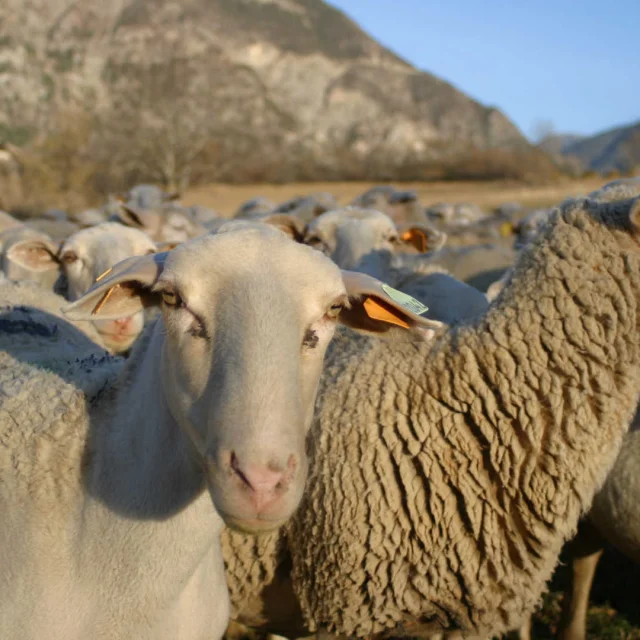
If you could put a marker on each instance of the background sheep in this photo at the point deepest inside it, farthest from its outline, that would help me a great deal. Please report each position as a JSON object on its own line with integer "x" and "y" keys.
{"x": 352, "y": 235}
{"x": 164, "y": 223}
{"x": 445, "y": 478}
{"x": 86, "y": 255}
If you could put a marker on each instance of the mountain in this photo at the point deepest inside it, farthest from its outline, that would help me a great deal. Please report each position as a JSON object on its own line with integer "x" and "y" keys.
{"x": 616, "y": 149}
{"x": 252, "y": 89}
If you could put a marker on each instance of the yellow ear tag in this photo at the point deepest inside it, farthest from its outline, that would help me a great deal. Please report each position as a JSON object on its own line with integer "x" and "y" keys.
{"x": 377, "y": 312}
{"x": 405, "y": 301}
{"x": 102, "y": 275}
{"x": 506, "y": 229}
{"x": 104, "y": 298}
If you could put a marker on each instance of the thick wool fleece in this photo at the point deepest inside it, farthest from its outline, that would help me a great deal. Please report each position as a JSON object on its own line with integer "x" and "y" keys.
{"x": 447, "y": 476}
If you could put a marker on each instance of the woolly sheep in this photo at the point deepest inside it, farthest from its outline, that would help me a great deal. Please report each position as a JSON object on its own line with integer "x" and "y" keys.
{"x": 86, "y": 255}
{"x": 402, "y": 207}
{"x": 23, "y": 299}
{"x": 615, "y": 518}
{"x": 308, "y": 207}
{"x": 29, "y": 255}
{"x": 478, "y": 265}
{"x": 8, "y": 221}
{"x": 255, "y": 208}
{"x": 164, "y": 223}
{"x": 57, "y": 230}
{"x": 147, "y": 196}
{"x": 109, "y": 468}
{"x": 352, "y": 235}
{"x": 457, "y": 214}
{"x": 445, "y": 477}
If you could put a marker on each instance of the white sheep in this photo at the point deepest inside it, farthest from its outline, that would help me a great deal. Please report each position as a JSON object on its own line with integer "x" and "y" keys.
{"x": 86, "y": 255}
{"x": 357, "y": 238}
{"x": 164, "y": 223}
{"x": 29, "y": 255}
{"x": 109, "y": 468}
{"x": 446, "y": 477}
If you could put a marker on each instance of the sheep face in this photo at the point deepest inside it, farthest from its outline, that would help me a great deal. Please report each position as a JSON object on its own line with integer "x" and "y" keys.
{"x": 166, "y": 223}
{"x": 247, "y": 315}
{"x": 89, "y": 253}
{"x": 355, "y": 238}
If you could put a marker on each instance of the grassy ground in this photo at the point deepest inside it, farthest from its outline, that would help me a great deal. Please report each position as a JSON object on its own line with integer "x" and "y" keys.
{"x": 226, "y": 198}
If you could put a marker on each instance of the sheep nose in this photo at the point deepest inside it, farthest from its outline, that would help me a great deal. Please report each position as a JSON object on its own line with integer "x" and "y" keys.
{"x": 264, "y": 483}
{"x": 122, "y": 323}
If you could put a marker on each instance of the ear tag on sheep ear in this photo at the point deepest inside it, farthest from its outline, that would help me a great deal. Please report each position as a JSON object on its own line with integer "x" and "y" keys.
{"x": 409, "y": 303}
{"x": 103, "y": 275}
{"x": 506, "y": 229}
{"x": 104, "y": 298}
{"x": 417, "y": 237}
{"x": 377, "y": 312}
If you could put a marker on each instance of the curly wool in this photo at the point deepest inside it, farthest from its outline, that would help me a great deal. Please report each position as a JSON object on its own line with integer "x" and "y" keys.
{"x": 447, "y": 476}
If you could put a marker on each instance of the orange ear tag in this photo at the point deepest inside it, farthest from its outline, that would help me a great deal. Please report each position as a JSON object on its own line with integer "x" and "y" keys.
{"x": 377, "y": 312}
{"x": 413, "y": 236}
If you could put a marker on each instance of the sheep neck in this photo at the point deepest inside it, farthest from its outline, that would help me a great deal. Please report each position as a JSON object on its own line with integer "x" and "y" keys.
{"x": 142, "y": 462}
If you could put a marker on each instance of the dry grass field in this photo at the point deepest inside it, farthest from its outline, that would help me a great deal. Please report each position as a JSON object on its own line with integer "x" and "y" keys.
{"x": 226, "y": 198}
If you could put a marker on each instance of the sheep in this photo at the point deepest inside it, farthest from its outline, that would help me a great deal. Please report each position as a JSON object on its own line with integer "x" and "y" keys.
{"x": 308, "y": 207}
{"x": 448, "y": 300}
{"x": 402, "y": 207}
{"x": 110, "y": 468}
{"x": 478, "y": 265}
{"x": 254, "y": 208}
{"x": 164, "y": 223}
{"x": 615, "y": 518}
{"x": 352, "y": 235}
{"x": 29, "y": 255}
{"x": 8, "y": 221}
{"x": 457, "y": 214}
{"x": 86, "y": 255}
{"x": 445, "y": 477}
{"x": 147, "y": 196}
{"x": 90, "y": 217}
{"x": 24, "y": 299}
{"x": 57, "y": 230}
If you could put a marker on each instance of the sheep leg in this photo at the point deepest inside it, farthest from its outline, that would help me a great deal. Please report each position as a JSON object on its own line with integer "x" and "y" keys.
{"x": 586, "y": 549}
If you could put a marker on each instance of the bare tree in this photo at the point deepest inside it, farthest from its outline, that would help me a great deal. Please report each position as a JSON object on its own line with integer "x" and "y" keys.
{"x": 542, "y": 129}
{"x": 163, "y": 125}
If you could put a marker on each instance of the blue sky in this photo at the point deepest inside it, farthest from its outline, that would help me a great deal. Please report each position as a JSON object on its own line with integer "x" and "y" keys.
{"x": 575, "y": 63}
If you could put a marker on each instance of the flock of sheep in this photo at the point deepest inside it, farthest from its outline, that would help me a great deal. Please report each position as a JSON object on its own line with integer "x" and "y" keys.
{"x": 166, "y": 372}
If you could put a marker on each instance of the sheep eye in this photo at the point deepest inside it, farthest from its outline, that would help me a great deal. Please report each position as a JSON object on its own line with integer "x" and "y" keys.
{"x": 335, "y": 309}
{"x": 314, "y": 241}
{"x": 171, "y": 298}
{"x": 69, "y": 257}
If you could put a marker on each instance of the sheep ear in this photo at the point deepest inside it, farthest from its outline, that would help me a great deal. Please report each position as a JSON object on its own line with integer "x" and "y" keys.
{"x": 293, "y": 226}
{"x": 131, "y": 217}
{"x": 634, "y": 214}
{"x": 163, "y": 247}
{"x": 376, "y": 308}
{"x": 34, "y": 255}
{"x": 121, "y": 291}
{"x": 423, "y": 238}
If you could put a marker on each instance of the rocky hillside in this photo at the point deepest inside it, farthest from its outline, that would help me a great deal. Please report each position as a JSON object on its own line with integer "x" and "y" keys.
{"x": 241, "y": 85}
{"x": 614, "y": 150}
